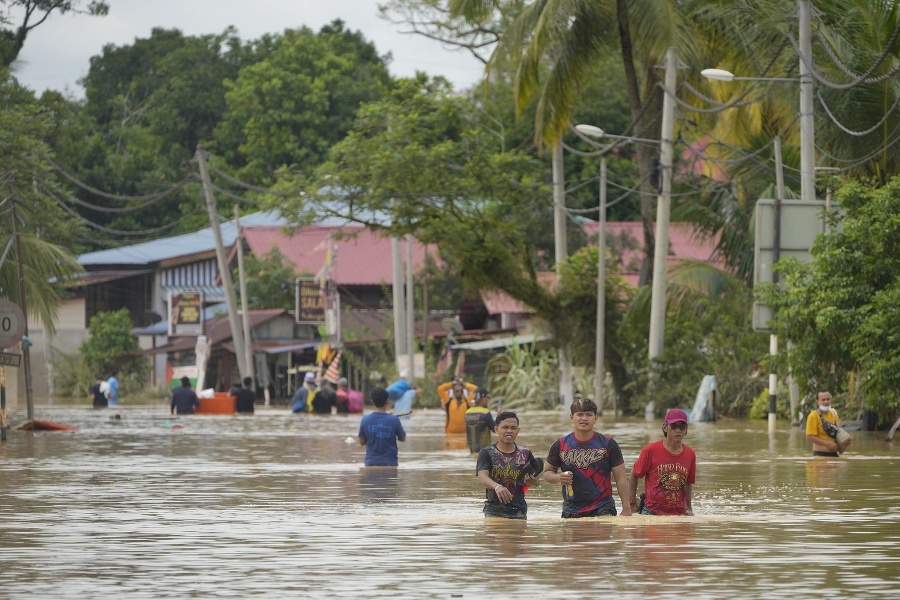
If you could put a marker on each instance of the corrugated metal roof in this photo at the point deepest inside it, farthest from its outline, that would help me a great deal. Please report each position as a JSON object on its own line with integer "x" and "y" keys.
{"x": 185, "y": 244}
{"x": 363, "y": 257}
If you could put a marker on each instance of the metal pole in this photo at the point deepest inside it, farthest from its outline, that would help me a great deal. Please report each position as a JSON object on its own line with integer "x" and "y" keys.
{"x": 2, "y": 404}
{"x": 599, "y": 371}
{"x": 661, "y": 253}
{"x": 237, "y": 336}
{"x": 566, "y": 393}
{"x": 410, "y": 309}
{"x": 245, "y": 302}
{"x": 26, "y": 352}
{"x": 807, "y": 125}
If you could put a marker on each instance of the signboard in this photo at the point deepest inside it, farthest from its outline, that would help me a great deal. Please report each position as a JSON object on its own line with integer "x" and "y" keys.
{"x": 310, "y": 302}
{"x": 12, "y": 323}
{"x": 186, "y": 313}
{"x": 801, "y": 224}
{"x": 10, "y": 360}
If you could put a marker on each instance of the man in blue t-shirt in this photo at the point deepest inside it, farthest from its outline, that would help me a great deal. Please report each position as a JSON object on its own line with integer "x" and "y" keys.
{"x": 379, "y": 432}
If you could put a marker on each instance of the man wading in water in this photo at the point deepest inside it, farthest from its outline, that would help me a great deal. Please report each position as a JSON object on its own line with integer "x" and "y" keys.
{"x": 670, "y": 468}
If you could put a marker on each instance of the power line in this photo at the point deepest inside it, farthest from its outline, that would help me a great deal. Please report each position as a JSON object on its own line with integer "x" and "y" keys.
{"x": 834, "y": 120}
{"x": 148, "y": 197}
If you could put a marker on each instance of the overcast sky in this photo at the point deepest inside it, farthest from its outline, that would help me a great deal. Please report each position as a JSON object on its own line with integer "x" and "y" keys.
{"x": 57, "y": 53}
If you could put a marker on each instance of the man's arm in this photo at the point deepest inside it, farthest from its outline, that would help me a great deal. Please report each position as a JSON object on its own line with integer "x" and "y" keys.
{"x": 362, "y": 441}
{"x": 503, "y": 494}
{"x": 623, "y": 488}
{"x": 632, "y": 488}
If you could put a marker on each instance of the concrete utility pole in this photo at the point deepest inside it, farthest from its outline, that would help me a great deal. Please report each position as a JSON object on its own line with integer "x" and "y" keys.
{"x": 599, "y": 351}
{"x": 776, "y": 256}
{"x": 807, "y": 124}
{"x": 410, "y": 309}
{"x": 661, "y": 253}
{"x": 398, "y": 303}
{"x": 26, "y": 352}
{"x": 566, "y": 392}
{"x": 236, "y": 332}
{"x": 245, "y": 308}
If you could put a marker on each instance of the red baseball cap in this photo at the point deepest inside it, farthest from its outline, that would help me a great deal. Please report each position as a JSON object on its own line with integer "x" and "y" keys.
{"x": 675, "y": 415}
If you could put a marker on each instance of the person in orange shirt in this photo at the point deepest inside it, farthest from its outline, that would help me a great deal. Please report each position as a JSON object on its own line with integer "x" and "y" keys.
{"x": 455, "y": 398}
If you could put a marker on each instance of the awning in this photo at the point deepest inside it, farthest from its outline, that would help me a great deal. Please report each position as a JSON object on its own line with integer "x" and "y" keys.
{"x": 504, "y": 342}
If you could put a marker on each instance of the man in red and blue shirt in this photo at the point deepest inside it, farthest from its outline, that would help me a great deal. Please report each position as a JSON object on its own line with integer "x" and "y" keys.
{"x": 587, "y": 459}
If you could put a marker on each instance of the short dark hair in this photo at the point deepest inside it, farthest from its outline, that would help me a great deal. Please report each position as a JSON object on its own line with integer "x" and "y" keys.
{"x": 186, "y": 381}
{"x": 583, "y": 405}
{"x": 248, "y": 381}
{"x": 506, "y": 414}
{"x": 379, "y": 397}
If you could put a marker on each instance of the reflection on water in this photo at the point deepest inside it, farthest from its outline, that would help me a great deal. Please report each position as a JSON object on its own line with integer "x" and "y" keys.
{"x": 279, "y": 505}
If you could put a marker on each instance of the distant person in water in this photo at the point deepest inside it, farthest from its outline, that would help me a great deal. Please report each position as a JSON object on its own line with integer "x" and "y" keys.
{"x": 245, "y": 397}
{"x": 98, "y": 393}
{"x": 479, "y": 421}
{"x": 455, "y": 398}
{"x": 113, "y": 394}
{"x": 818, "y": 422}
{"x": 184, "y": 399}
{"x": 379, "y": 432}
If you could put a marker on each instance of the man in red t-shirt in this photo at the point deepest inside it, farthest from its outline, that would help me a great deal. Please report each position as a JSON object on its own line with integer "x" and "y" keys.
{"x": 670, "y": 468}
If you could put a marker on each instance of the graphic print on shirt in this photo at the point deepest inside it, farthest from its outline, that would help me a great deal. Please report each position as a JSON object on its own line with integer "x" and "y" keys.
{"x": 590, "y": 463}
{"x": 672, "y": 479}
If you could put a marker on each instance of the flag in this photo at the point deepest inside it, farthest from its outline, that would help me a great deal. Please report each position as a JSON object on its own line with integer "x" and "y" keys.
{"x": 334, "y": 369}
{"x": 461, "y": 364}
{"x": 446, "y": 358}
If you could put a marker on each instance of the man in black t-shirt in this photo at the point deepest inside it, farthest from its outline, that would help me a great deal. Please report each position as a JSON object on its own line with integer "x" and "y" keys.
{"x": 245, "y": 397}
{"x": 98, "y": 395}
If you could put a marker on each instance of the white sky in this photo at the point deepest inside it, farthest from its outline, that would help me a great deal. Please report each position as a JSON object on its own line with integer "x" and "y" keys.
{"x": 57, "y": 53}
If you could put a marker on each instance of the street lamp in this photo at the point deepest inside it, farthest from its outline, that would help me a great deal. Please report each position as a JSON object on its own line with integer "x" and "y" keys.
{"x": 807, "y": 124}
{"x": 599, "y": 370}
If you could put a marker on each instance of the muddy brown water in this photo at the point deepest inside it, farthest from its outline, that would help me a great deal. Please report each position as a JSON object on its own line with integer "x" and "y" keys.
{"x": 277, "y": 505}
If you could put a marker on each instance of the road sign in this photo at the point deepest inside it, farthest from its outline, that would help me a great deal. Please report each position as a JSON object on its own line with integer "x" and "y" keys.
{"x": 12, "y": 323}
{"x": 801, "y": 223}
{"x": 10, "y": 360}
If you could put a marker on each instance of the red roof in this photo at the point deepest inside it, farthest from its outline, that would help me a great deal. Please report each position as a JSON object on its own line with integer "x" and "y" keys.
{"x": 497, "y": 302}
{"x": 361, "y": 256}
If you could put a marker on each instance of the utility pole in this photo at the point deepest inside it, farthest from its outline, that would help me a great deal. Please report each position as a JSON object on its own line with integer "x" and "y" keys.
{"x": 26, "y": 352}
{"x": 245, "y": 308}
{"x": 410, "y": 309}
{"x": 776, "y": 256}
{"x": 599, "y": 371}
{"x": 807, "y": 124}
{"x": 661, "y": 251}
{"x": 566, "y": 393}
{"x": 398, "y": 303}
{"x": 224, "y": 271}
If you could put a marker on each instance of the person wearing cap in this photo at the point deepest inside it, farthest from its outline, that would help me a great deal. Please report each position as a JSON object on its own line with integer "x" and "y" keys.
{"x": 379, "y": 432}
{"x": 184, "y": 399}
{"x": 305, "y": 394}
{"x": 501, "y": 471}
{"x": 479, "y": 421}
{"x": 670, "y": 468}
{"x": 584, "y": 462}
{"x": 455, "y": 396}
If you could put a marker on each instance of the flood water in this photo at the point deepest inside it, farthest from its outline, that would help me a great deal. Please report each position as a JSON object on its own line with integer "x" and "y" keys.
{"x": 278, "y": 505}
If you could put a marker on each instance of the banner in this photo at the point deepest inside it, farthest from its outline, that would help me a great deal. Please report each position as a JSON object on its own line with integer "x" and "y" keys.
{"x": 186, "y": 313}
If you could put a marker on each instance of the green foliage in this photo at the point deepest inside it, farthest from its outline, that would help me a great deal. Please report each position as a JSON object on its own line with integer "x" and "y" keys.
{"x": 108, "y": 348}
{"x": 270, "y": 281}
{"x": 524, "y": 377}
{"x": 289, "y": 108}
{"x": 839, "y": 311}
{"x": 30, "y": 14}
{"x": 705, "y": 334}
{"x": 759, "y": 409}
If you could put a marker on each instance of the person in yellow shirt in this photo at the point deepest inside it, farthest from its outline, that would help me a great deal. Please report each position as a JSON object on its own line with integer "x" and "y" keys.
{"x": 822, "y": 443}
{"x": 455, "y": 397}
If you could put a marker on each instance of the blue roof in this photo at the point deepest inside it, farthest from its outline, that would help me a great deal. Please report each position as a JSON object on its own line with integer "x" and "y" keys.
{"x": 179, "y": 245}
